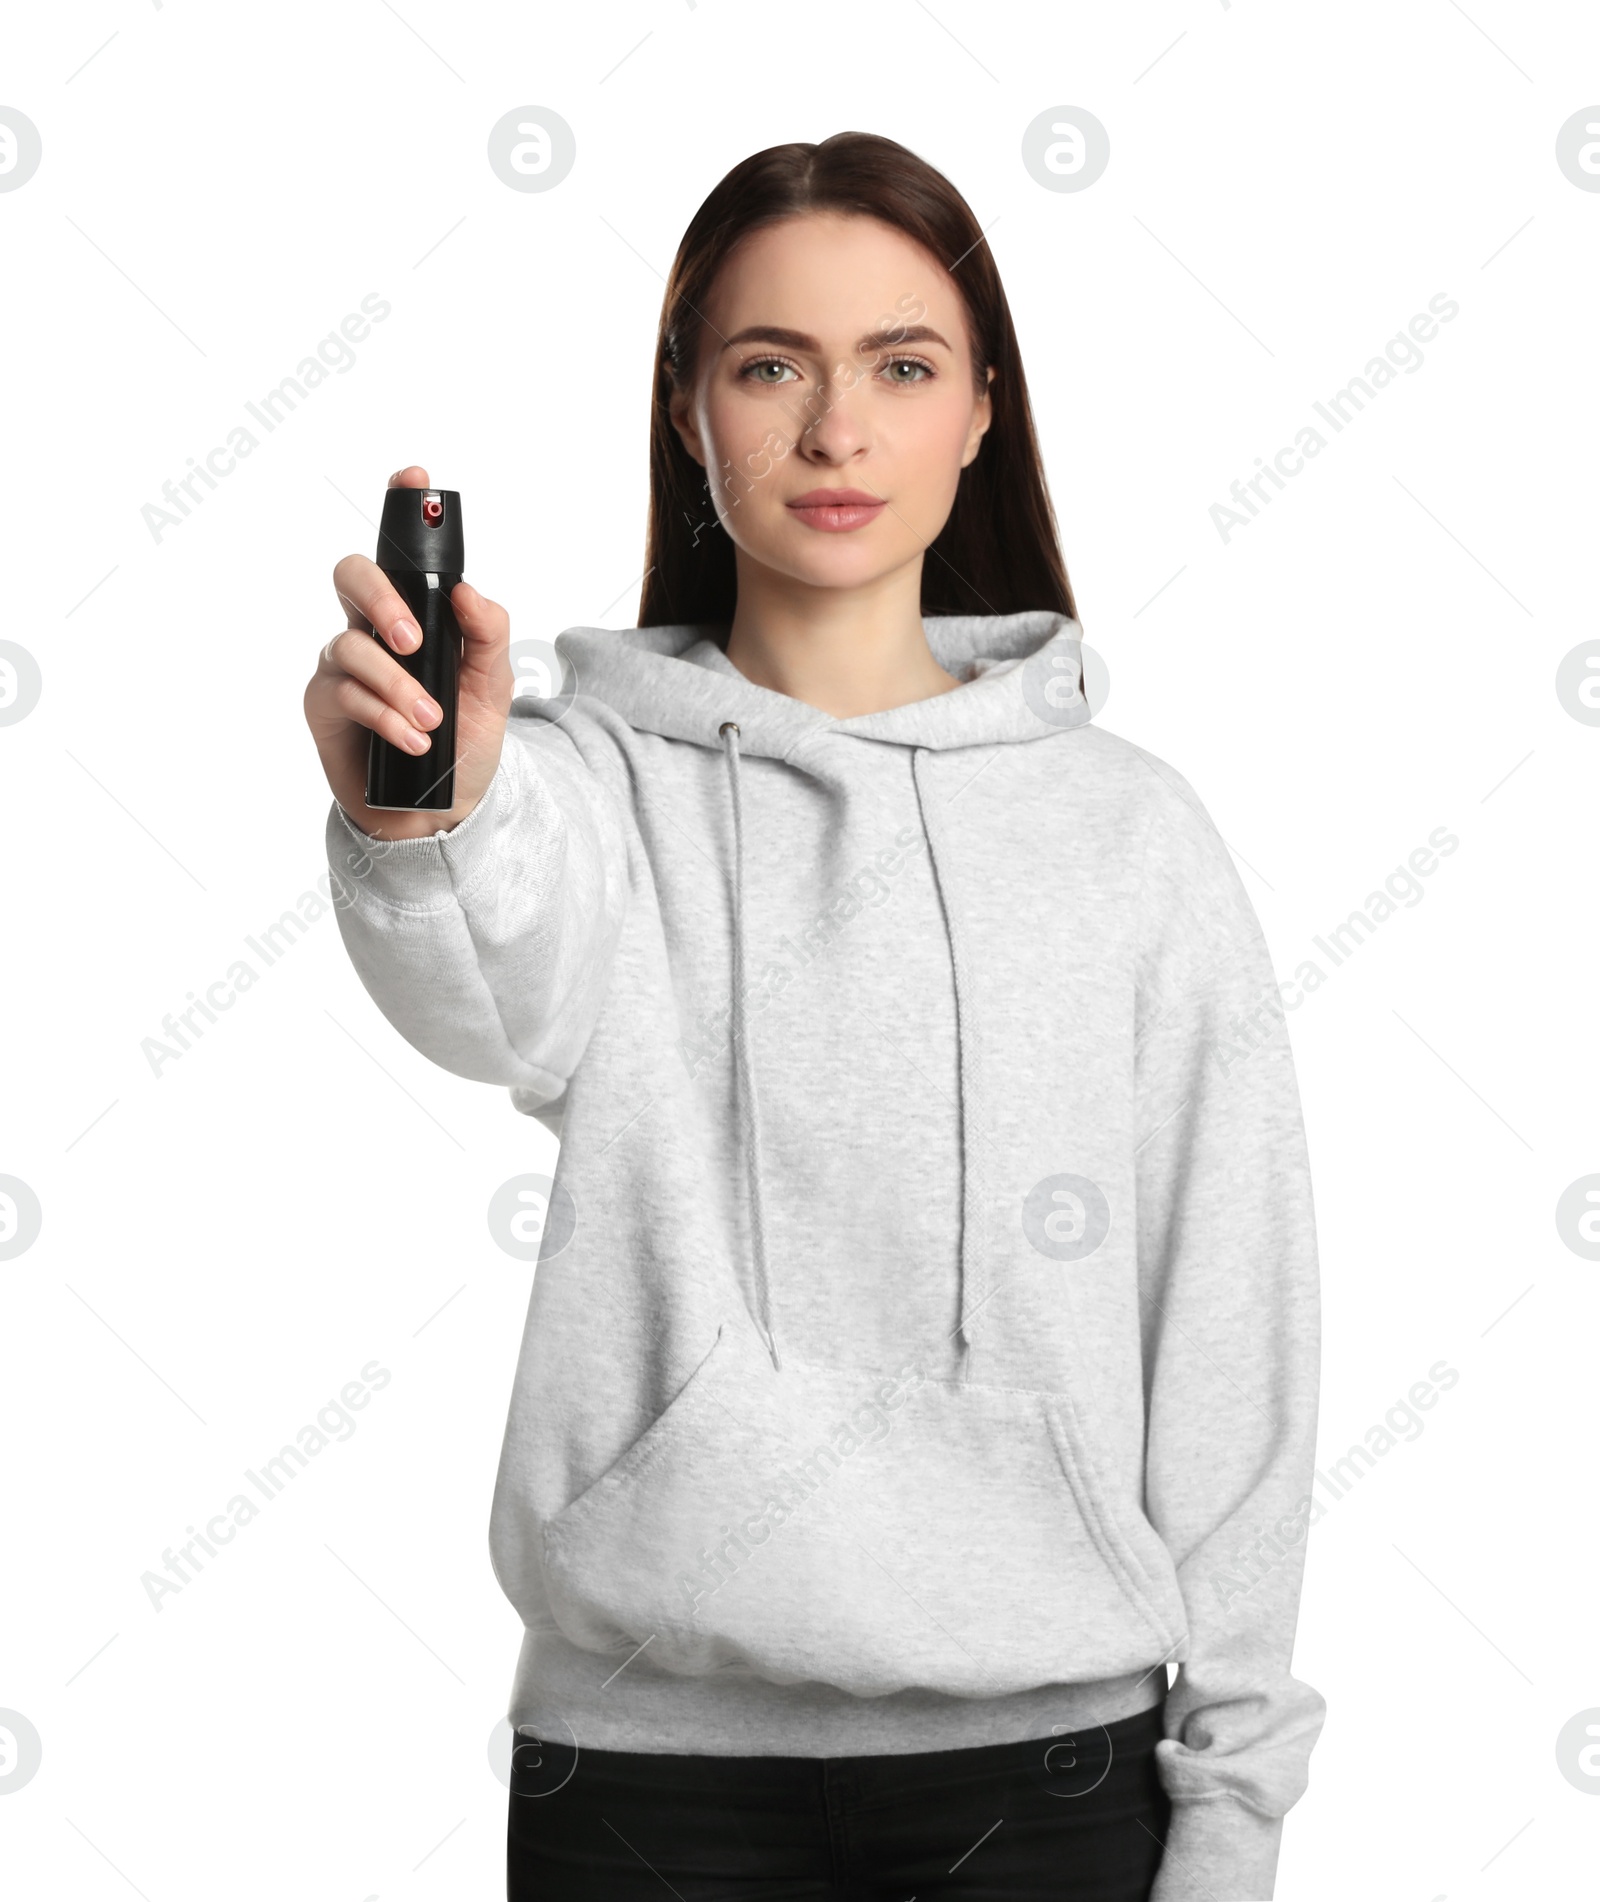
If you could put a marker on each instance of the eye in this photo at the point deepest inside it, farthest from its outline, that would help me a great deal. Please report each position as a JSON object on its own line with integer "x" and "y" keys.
{"x": 749, "y": 372}
{"x": 765, "y": 363}
{"x": 914, "y": 363}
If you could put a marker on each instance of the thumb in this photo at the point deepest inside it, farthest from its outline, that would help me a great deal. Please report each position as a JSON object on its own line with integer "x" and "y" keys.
{"x": 485, "y": 625}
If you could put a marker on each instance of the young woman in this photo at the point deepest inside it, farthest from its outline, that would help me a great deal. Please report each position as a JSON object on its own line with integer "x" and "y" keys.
{"x": 923, "y": 1351}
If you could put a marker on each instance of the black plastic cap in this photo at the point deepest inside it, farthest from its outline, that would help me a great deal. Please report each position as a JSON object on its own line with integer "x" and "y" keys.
{"x": 410, "y": 537}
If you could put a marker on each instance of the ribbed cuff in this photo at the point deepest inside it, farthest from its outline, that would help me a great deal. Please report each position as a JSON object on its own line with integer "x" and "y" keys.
{"x": 1218, "y": 1850}
{"x": 426, "y": 873}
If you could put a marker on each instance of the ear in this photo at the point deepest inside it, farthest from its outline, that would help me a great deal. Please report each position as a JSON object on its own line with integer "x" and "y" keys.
{"x": 982, "y": 417}
{"x": 680, "y": 412}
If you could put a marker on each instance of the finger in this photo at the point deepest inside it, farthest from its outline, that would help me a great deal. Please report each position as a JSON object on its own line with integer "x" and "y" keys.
{"x": 362, "y": 705}
{"x": 359, "y": 656}
{"x": 413, "y": 476}
{"x": 370, "y": 602}
{"x": 485, "y": 625}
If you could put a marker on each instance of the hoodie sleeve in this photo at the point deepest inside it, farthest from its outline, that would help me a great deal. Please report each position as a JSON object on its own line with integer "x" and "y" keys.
{"x": 489, "y": 946}
{"x": 1229, "y": 1314}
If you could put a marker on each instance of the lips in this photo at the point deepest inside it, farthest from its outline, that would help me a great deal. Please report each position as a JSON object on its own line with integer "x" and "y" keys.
{"x": 835, "y": 509}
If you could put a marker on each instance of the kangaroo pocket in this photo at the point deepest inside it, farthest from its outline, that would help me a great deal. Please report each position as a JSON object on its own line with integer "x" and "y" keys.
{"x": 831, "y": 1524}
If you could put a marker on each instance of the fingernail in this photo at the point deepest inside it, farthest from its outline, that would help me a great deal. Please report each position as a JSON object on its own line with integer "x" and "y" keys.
{"x": 406, "y": 635}
{"x": 426, "y": 712}
{"x": 418, "y": 742}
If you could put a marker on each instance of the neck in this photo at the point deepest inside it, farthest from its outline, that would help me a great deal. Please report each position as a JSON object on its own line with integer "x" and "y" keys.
{"x": 847, "y": 651}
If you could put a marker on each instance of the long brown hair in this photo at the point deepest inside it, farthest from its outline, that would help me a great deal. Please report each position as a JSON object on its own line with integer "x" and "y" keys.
{"x": 998, "y": 552}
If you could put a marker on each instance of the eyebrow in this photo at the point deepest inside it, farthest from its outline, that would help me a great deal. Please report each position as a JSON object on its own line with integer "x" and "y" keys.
{"x": 801, "y": 340}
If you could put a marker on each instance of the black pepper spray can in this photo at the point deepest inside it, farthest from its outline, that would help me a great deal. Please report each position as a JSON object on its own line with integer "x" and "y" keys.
{"x": 420, "y": 551}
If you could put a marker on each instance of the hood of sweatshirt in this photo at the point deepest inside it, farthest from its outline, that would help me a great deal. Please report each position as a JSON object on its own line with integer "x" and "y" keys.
{"x": 1021, "y": 677}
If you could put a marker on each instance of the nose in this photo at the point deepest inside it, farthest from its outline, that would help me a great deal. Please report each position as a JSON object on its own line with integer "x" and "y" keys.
{"x": 838, "y": 427}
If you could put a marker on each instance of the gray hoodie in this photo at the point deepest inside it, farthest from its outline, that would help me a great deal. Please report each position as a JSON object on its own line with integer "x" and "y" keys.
{"x": 923, "y": 1349}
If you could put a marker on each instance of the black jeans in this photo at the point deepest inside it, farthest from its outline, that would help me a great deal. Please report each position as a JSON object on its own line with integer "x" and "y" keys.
{"x": 1075, "y": 1818}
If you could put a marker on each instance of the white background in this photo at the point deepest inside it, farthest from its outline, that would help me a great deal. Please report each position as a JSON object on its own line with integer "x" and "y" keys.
{"x": 227, "y": 1243}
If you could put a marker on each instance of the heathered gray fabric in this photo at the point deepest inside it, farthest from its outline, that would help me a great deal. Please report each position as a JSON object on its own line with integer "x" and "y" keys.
{"x": 932, "y": 1352}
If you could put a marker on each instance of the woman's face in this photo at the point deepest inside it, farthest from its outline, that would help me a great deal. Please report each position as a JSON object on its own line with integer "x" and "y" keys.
{"x": 835, "y": 357}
